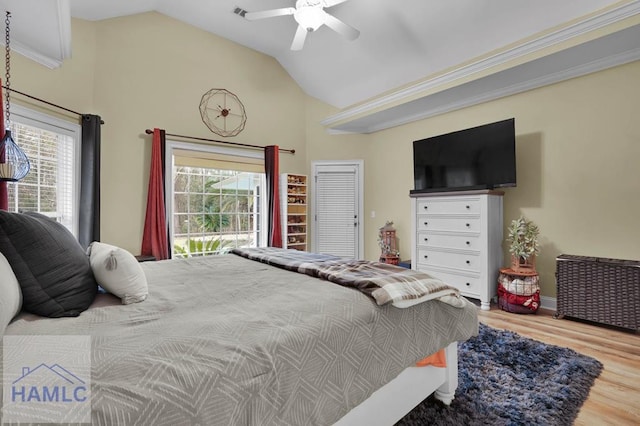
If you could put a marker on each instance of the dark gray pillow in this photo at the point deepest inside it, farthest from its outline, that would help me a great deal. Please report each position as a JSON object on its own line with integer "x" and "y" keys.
{"x": 52, "y": 268}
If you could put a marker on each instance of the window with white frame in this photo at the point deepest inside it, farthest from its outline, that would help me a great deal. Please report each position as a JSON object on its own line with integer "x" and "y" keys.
{"x": 52, "y": 185}
{"x": 216, "y": 201}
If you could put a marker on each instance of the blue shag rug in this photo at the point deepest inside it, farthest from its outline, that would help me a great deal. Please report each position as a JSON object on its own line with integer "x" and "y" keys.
{"x": 507, "y": 379}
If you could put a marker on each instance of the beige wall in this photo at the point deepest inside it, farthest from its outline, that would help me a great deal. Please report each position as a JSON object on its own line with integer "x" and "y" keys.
{"x": 152, "y": 72}
{"x": 148, "y": 71}
{"x": 578, "y": 169}
{"x": 70, "y": 85}
{"x": 578, "y": 142}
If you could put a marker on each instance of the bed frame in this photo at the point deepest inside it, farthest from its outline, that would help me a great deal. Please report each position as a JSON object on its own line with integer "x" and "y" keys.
{"x": 394, "y": 400}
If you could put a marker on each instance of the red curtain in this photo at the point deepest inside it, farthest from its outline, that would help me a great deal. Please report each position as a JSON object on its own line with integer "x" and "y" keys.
{"x": 4, "y": 195}
{"x": 155, "y": 237}
{"x": 272, "y": 170}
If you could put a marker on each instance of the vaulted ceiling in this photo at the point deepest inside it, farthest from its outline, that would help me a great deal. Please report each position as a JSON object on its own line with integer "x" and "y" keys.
{"x": 403, "y": 45}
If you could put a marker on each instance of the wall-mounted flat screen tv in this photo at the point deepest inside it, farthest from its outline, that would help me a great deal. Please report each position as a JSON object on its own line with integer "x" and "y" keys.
{"x": 482, "y": 157}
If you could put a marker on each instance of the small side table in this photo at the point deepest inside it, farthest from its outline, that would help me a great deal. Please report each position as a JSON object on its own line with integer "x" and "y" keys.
{"x": 405, "y": 264}
{"x": 390, "y": 259}
{"x": 518, "y": 292}
{"x": 145, "y": 258}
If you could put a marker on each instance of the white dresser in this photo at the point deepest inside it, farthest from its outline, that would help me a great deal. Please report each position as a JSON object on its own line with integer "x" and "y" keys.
{"x": 457, "y": 237}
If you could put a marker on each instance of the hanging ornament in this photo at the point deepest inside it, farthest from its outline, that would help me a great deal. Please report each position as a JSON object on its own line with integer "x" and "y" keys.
{"x": 14, "y": 164}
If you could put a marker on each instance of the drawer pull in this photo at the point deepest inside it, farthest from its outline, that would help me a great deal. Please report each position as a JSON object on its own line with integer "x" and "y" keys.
{"x": 468, "y": 262}
{"x": 468, "y": 225}
{"x": 426, "y": 223}
{"x": 468, "y": 207}
{"x": 426, "y": 239}
{"x": 468, "y": 243}
{"x": 426, "y": 256}
{"x": 426, "y": 207}
{"x": 468, "y": 284}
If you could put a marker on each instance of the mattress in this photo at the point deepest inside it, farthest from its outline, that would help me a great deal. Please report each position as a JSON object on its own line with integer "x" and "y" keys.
{"x": 224, "y": 340}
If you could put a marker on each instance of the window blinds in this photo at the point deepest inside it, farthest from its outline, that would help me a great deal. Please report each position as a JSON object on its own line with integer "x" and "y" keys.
{"x": 210, "y": 160}
{"x": 336, "y": 212}
{"x": 48, "y": 188}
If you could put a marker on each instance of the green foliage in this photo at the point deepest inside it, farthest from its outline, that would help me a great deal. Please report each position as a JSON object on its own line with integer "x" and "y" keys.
{"x": 193, "y": 248}
{"x": 523, "y": 238}
{"x": 213, "y": 221}
{"x": 212, "y": 207}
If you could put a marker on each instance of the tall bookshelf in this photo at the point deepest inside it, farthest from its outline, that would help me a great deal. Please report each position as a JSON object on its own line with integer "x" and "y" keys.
{"x": 294, "y": 211}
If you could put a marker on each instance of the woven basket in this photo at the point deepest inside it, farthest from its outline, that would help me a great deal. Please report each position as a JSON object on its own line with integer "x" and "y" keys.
{"x": 601, "y": 290}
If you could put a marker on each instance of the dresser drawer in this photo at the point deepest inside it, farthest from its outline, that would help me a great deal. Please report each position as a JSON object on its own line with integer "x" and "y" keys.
{"x": 462, "y": 242}
{"x": 469, "y": 262}
{"x": 427, "y": 223}
{"x": 469, "y": 205}
{"x": 467, "y": 285}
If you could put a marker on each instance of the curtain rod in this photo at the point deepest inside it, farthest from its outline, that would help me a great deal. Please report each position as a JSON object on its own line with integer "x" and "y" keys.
{"x": 46, "y": 102}
{"x": 291, "y": 151}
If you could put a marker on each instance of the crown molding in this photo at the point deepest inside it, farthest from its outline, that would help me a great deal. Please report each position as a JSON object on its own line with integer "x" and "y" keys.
{"x": 64, "y": 22}
{"x": 51, "y": 55}
{"x": 336, "y": 121}
{"x": 38, "y": 57}
{"x": 577, "y": 71}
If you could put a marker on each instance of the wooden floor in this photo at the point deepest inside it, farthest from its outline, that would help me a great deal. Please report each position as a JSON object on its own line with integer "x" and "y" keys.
{"x": 615, "y": 397}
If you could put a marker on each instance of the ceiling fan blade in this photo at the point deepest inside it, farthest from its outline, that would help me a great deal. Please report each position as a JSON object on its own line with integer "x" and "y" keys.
{"x": 251, "y": 16}
{"x": 298, "y": 39}
{"x": 340, "y": 27}
{"x": 329, "y": 3}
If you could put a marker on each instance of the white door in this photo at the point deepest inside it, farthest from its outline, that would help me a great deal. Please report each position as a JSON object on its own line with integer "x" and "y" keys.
{"x": 337, "y": 205}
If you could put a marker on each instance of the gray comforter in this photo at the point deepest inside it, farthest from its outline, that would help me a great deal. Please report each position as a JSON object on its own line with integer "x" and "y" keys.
{"x": 229, "y": 341}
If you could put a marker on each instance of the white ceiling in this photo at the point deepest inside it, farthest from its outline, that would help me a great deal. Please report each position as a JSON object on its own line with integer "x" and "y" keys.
{"x": 401, "y": 41}
{"x": 40, "y": 30}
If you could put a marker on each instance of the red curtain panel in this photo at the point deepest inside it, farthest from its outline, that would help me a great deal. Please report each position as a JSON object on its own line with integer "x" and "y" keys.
{"x": 155, "y": 235}
{"x": 272, "y": 170}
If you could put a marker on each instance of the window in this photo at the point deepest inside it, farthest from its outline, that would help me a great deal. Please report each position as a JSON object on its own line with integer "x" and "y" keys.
{"x": 52, "y": 185}
{"x": 216, "y": 200}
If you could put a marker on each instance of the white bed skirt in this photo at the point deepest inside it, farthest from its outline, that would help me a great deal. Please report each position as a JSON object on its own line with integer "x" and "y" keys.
{"x": 394, "y": 400}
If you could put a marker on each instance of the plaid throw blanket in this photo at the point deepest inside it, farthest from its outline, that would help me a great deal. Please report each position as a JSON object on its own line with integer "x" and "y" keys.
{"x": 384, "y": 283}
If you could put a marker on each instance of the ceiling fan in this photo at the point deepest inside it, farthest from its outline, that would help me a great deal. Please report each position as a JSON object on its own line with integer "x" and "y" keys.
{"x": 310, "y": 15}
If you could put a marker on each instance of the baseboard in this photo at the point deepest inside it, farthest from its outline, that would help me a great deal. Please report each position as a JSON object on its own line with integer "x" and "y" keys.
{"x": 549, "y": 303}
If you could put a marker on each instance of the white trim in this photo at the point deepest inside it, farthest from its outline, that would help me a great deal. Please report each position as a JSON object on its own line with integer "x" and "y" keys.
{"x": 238, "y": 152}
{"x": 73, "y": 130}
{"x": 62, "y": 8}
{"x": 548, "y": 303}
{"x": 594, "y": 66}
{"x": 47, "y": 61}
{"x": 397, "y": 398}
{"x": 359, "y": 165}
{"x": 578, "y": 29}
{"x": 64, "y": 21}
{"x": 46, "y": 121}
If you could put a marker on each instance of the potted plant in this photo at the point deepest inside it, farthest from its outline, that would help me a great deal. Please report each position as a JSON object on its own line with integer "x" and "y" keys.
{"x": 524, "y": 246}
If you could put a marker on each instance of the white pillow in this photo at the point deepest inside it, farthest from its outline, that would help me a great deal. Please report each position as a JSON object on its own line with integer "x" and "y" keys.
{"x": 118, "y": 272}
{"x": 10, "y": 294}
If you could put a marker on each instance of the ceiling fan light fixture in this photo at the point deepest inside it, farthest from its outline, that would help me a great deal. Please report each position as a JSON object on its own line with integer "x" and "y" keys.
{"x": 309, "y": 17}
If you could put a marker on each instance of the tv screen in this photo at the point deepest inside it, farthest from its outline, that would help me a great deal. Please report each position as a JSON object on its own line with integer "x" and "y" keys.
{"x": 482, "y": 157}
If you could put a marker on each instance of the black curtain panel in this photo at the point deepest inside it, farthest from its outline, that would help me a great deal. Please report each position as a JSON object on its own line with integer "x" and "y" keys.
{"x": 89, "y": 208}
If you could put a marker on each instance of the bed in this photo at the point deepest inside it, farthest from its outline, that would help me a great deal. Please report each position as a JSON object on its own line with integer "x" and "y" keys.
{"x": 232, "y": 341}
